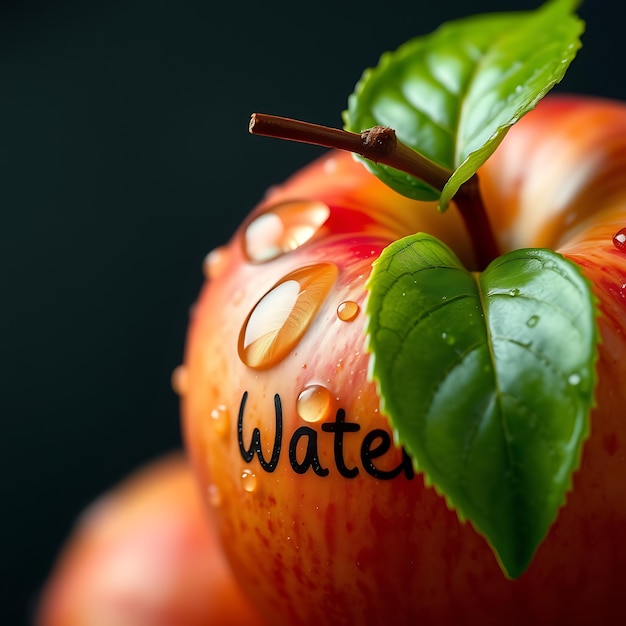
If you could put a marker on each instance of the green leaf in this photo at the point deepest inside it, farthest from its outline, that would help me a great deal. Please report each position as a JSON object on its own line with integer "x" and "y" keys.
{"x": 452, "y": 95}
{"x": 487, "y": 380}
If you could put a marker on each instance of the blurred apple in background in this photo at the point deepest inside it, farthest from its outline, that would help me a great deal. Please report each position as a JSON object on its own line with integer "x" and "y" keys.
{"x": 145, "y": 554}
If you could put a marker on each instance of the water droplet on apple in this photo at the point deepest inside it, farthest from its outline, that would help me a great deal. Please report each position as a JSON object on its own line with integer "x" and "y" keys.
{"x": 283, "y": 228}
{"x": 283, "y": 314}
{"x": 532, "y": 321}
{"x": 314, "y": 403}
{"x": 619, "y": 239}
{"x": 179, "y": 380}
{"x": 220, "y": 419}
{"x": 347, "y": 311}
{"x": 248, "y": 480}
{"x": 215, "y": 262}
{"x": 214, "y": 496}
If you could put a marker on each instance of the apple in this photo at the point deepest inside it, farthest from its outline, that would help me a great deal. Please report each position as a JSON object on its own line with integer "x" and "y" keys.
{"x": 410, "y": 415}
{"x": 145, "y": 554}
{"x": 321, "y": 515}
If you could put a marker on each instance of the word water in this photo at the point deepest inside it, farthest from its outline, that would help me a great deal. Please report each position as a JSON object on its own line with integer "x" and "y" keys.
{"x": 374, "y": 445}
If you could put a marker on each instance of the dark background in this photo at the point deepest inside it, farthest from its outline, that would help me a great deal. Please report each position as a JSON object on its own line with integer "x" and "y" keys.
{"x": 125, "y": 158}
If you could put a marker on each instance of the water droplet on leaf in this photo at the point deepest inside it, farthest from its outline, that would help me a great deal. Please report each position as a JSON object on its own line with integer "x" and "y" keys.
{"x": 283, "y": 228}
{"x": 574, "y": 379}
{"x": 347, "y": 311}
{"x": 283, "y": 314}
{"x": 514, "y": 292}
{"x": 314, "y": 403}
{"x": 448, "y": 338}
{"x": 532, "y": 321}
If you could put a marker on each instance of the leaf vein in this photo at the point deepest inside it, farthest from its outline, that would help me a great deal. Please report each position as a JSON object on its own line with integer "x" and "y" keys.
{"x": 428, "y": 116}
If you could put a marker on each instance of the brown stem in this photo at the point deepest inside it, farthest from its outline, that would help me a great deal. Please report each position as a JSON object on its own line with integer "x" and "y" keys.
{"x": 469, "y": 202}
{"x": 381, "y": 145}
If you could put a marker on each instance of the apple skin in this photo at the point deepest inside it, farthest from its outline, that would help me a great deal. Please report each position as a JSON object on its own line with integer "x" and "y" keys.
{"x": 347, "y": 550}
{"x": 145, "y": 554}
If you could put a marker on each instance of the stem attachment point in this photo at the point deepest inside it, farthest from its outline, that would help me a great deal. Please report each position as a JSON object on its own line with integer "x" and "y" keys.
{"x": 380, "y": 144}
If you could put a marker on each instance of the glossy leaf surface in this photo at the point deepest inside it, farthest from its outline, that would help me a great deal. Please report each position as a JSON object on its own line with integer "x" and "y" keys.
{"x": 488, "y": 381}
{"x": 452, "y": 95}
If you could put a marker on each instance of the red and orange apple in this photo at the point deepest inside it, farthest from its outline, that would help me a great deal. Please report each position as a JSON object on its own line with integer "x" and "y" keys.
{"x": 323, "y": 505}
{"x": 322, "y": 517}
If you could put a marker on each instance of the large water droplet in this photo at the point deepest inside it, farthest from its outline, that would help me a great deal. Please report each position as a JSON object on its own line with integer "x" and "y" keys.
{"x": 283, "y": 314}
{"x": 347, "y": 311}
{"x": 283, "y": 228}
{"x": 619, "y": 239}
{"x": 314, "y": 403}
{"x": 220, "y": 418}
{"x": 248, "y": 480}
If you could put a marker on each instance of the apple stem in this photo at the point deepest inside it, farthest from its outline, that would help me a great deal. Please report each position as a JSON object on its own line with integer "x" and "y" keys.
{"x": 381, "y": 145}
{"x": 469, "y": 202}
